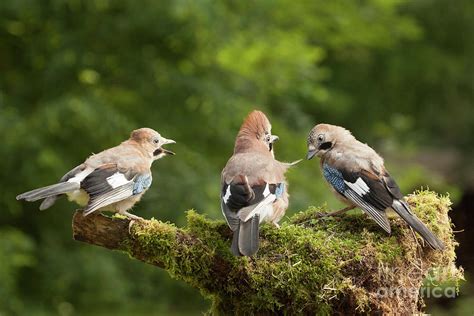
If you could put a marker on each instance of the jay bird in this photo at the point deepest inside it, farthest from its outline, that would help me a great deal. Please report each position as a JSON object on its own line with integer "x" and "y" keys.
{"x": 254, "y": 188}
{"x": 112, "y": 180}
{"x": 357, "y": 176}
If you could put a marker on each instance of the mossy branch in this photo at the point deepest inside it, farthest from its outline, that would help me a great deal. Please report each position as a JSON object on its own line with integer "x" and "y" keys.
{"x": 309, "y": 265}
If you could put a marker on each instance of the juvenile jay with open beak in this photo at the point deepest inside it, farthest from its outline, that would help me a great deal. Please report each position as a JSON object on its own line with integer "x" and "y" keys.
{"x": 112, "y": 180}
{"x": 254, "y": 188}
{"x": 357, "y": 176}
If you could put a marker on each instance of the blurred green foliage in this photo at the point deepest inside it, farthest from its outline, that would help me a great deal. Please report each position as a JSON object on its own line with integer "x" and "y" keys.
{"x": 78, "y": 76}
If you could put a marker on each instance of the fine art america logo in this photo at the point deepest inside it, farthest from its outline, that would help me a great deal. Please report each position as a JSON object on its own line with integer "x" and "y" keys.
{"x": 425, "y": 292}
{"x": 435, "y": 285}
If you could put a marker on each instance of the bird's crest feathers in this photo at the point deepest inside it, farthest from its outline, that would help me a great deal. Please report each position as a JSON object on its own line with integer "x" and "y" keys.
{"x": 255, "y": 125}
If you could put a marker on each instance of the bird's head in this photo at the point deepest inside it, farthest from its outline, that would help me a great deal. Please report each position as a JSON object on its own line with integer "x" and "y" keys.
{"x": 255, "y": 134}
{"x": 152, "y": 142}
{"x": 324, "y": 137}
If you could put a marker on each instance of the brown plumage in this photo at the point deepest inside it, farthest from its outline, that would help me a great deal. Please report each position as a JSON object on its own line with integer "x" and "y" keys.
{"x": 254, "y": 128}
{"x": 113, "y": 180}
{"x": 358, "y": 177}
{"x": 253, "y": 166}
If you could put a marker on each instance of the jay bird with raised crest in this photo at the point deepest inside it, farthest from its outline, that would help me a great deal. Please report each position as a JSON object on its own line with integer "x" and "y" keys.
{"x": 254, "y": 188}
{"x": 357, "y": 176}
{"x": 112, "y": 180}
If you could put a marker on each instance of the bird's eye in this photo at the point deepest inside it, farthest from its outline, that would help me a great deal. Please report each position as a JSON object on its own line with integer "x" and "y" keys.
{"x": 320, "y": 137}
{"x": 156, "y": 140}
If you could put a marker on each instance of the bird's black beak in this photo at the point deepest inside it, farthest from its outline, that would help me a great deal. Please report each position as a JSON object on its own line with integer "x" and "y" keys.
{"x": 312, "y": 151}
{"x": 311, "y": 154}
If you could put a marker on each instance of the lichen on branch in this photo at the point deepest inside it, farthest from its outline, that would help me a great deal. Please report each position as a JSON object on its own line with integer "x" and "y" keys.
{"x": 309, "y": 265}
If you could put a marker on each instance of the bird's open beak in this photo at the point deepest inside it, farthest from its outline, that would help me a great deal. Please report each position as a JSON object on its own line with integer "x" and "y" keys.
{"x": 312, "y": 151}
{"x": 165, "y": 141}
{"x": 162, "y": 150}
{"x": 273, "y": 138}
{"x": 166, "y": 151}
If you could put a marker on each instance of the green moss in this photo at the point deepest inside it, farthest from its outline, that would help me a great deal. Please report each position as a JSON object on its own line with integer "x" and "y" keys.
{"x": 308, "y": 265}
{"x": 157, "y": 239}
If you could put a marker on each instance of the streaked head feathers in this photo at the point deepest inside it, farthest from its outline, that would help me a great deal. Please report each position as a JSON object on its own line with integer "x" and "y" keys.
{"x": 255, "y": 124}
{"x": 324, "y": 137}
{"x": 152, "y": 142}
{"x": 255, "y": 134}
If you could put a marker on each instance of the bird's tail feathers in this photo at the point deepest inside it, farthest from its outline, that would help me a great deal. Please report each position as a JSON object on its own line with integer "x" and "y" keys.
{"x": 404, "y": 211}
{"x": 248, "y": 239}
{"x": 48, "y": 202}
{"x": 234, "y": 248}
{"x": 49, "y": 191}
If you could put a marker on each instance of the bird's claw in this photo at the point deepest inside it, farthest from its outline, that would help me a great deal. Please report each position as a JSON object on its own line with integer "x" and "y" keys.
{"x": 132, "y": 218}
{"x": 132, "y": 221}
{"x": 130, "y": 224}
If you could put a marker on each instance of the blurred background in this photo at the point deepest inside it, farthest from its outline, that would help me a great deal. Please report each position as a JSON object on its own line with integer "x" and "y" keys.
{"x": 77, "y": 76}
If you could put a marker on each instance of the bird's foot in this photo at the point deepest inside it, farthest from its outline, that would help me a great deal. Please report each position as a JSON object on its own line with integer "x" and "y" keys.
{"x": 133, "y": 218}
{"x": 276, "y": 225}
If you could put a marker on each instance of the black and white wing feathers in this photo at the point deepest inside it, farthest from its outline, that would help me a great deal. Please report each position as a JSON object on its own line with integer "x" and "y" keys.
{"x": 244, "y": 206}
{"x": 238, "y": 196}
{"x": 367, "y": 192}
{"x": 107, "y": 185}
{"x": 374, "y": 194}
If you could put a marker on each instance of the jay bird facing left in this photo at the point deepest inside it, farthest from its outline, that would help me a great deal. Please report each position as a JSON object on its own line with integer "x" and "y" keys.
{"x": 112, "y": 180}
{"x": 358, "y": 177}
{"x": 254, "y": 188}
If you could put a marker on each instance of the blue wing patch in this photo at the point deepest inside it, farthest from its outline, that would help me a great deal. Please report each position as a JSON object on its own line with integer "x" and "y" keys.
{"x": 142, "y": 182}
{"x": 335, "y": 178}
{"x": 280, "y": 188}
